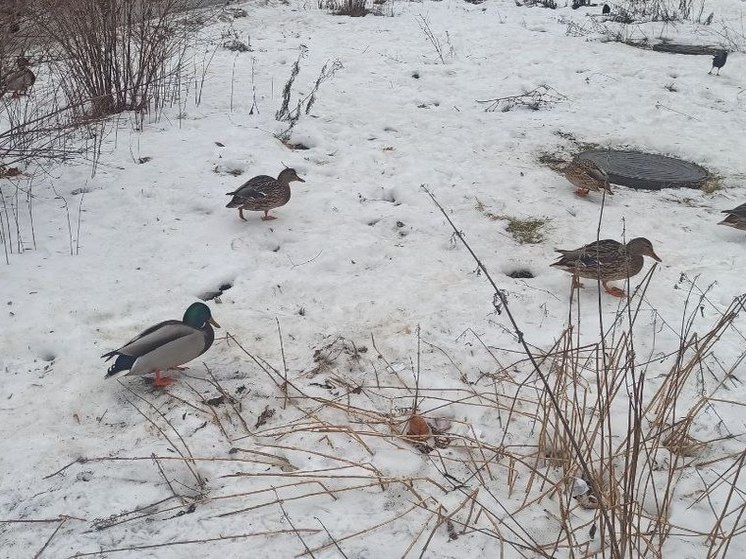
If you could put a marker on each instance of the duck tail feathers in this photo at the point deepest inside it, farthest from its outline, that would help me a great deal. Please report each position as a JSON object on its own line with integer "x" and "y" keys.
{"x": 122, "y": 364}
{"x": 107, "y": 356}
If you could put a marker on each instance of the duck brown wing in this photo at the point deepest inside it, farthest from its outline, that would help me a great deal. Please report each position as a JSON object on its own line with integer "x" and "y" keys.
{"x": 253, "y": 188}
{"x": 590, "y": 255}
{"x": 597, "y": 173}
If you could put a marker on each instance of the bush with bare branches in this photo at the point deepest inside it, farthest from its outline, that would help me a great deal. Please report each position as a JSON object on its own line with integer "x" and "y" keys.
{"x": 116, "y": 55}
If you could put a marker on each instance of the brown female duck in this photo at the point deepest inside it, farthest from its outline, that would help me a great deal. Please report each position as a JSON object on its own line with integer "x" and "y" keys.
{"x": 736, "y": 217}
{"x": 585, "y": 175}
{"x": 606, "y": 260}
{"x": 263, "y": 193}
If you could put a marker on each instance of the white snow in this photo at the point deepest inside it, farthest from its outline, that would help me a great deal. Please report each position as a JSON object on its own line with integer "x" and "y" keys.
{"x": 361, "y": 253}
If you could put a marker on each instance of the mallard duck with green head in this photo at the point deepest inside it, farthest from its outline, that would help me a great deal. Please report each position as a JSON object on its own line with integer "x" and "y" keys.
{"x": 585, "y": 175}
{"x": 736, "y": 218}
{"x": 166, "y": 345}
{"x": 606, "y": 260}
{"x": 263, "y": 193}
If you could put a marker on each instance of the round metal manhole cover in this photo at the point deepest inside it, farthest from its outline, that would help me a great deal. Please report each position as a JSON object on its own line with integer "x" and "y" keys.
{"x": 647, "y": 170}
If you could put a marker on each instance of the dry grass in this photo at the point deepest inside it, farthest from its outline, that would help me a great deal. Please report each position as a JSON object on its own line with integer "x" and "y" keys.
{"x": 526, "y": 231}
{"x": 601, "y": 448}
{"x": 351, "y": 8}
{"x": 712, "y": 184}
{"x": 576, "y": 450}
{"x": 529, "y": 230}
{"x": 541, "y": 97}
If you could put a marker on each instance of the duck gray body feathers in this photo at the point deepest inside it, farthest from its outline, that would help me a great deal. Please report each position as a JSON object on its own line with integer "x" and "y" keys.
{"x": 166, "y": 345}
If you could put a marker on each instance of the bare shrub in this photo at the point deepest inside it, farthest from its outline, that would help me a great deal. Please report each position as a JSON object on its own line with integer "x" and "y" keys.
{"x": 36, "y": 133}
{"x": 443, "y": 47}
{"x": 659, "y": 10}
{"x": 305, "y": 103}
{"x": 114, "y": 54}
{"x": 13, "y": 41}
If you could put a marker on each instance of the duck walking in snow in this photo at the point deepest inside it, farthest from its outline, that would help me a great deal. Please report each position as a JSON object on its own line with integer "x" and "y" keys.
{"x": 263, "y": 193}
{"x": 585, "y": 175}
{"x": 736, "y": 217}
{"x": 167, "y": 345}
{"x": 606, "y": 260}
{"x": 18, "y": 81}
{"x": 718, "y": 61}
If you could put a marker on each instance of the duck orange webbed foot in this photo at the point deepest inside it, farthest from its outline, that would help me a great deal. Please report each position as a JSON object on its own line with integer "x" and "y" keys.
{"x": 615, "y": 291}
{"x": 162, "y": 382}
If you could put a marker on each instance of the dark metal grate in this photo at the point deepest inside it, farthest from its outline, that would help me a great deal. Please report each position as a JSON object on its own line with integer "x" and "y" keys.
{"x": 647, "y": 170}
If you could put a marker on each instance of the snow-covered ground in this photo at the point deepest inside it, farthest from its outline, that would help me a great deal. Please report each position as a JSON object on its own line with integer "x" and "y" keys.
{"x": 359, "y": 253}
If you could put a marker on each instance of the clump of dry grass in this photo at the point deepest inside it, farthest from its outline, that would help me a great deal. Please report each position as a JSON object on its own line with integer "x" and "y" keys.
{"x": 712, "y": 184}
{"x": 351, "y": 8}
{"x": 526, "y": 231}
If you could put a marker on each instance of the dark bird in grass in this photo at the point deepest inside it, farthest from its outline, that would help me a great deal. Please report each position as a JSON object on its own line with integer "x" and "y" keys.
{"x": 606, "y": 10}
{"x": 167, "y": 345}
{"x": 263, "y": 193}
{"x": 606, "y": 260}
{"x": 736, "y": 217}
{"x": 718, "y": 61}
{"x": 18, "y": 81}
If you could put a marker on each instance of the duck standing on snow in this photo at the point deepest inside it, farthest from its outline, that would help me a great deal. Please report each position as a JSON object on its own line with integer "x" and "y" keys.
{"x": 718, "y": 61}
{"x": 606, "y": 260}
{"x": 263, "y": 193}
{"x": 165, "y": 346}
{"x": 585, "y": 175}
{"x": 18, "y": 81}
{"x": 736, "y": 217}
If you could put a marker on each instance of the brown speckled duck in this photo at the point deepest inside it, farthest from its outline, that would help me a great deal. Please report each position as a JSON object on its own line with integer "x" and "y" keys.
{"x": 606, "y": 260}
{"x": 18, "y": 81}
{"x": 736, "y": 218}
{"x": 585, "y": 175}
{"x": 263, "y": 193}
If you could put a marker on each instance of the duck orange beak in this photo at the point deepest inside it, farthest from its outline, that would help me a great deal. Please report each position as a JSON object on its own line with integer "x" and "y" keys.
{"x": 212, "y": 321}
